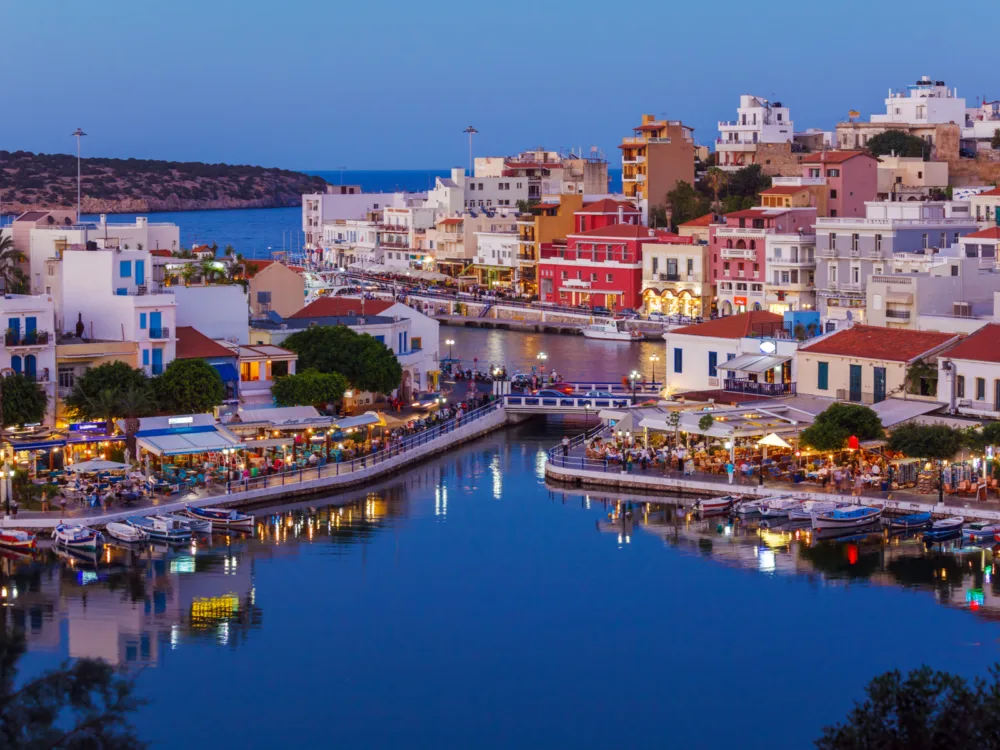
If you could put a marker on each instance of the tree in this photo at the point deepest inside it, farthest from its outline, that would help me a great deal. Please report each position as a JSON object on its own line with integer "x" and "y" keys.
{"x": 658, "y": 216}
{"x": 685, "y": 203}
{"x": 188, "y": 273}
{"x": 368, "y": 365}
{"x": 706, "y": 422}
{"x": 899, "y": 143}
{"x": 748, "y": 182}
{"x": 24, "y": 402}
{"x": 922, "y": 378}
{"x": 716, "y": 179}
{"x": 135, "y": 403}
{"x": 926, "y": 709}
{"x": 15, "y": 281}
{"x": 831, "y": 428}
{"x": 189, "y": 386}
{"x": 934, "y": 442}
{"x": 995, "y": 140}
{"x": 118, "y": 377}
{"x": 309, "y": 388}
{"x": 106, "y": 406}
{"x": 674, "y": 422}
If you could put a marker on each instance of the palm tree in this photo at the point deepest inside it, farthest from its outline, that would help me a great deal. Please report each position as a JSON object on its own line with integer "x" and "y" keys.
{"x": 716, "y": 180}
{"x": 13, "y": 277}
{"x": 107, "y": 404}
{"x": 229, "y": 251}
{"x": 134, "y": 404}
{"x": 187, "y": 274}
{"x": 207, "y": 271}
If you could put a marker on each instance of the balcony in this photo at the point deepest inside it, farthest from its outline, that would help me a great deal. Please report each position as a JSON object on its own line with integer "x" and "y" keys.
{"x": 670, "y": 277}
{"x": 742, "y": 385}
{"x": 897, "y": 314}
{"x": 159, "y": 333}
{"x": 850, "y": 286}
{"x": 741, "y": 253}
{"x": 773, "y": 260}
{"x": 14, "y": 339}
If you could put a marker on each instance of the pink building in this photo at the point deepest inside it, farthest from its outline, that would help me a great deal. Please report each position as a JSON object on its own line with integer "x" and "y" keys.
{"x": 851, "y": 178}
{"x": 737, "y": 253}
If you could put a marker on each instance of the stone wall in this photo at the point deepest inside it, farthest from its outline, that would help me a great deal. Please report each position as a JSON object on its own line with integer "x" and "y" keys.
{"x": 778, "y": 159}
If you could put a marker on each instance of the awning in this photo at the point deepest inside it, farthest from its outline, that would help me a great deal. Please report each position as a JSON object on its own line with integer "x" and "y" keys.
{"x": 752, "y": 363}
{"x": 368, "y": 418}
{"x": 227, "y": 372}
{"x": 185, "y": 442}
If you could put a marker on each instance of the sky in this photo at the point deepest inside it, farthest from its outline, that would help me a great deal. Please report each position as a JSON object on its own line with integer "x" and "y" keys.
{"x": 315, "y": 84}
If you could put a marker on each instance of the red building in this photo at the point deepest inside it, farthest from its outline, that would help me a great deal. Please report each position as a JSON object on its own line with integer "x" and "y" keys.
{"x": 598, "y": 267}
{"x": 605, "y": 213}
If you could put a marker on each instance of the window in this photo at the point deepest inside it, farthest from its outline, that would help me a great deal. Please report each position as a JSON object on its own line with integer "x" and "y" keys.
{"x": 814, "y": 172}
{"x": 563, "y": 275}
{"x": 954, "y": 270}
{"x": 878, "y": 243}
{"x": 855, "y": 274}
{"x": 833, "y": 240}
{"x": 823, "y": 376}
{"x": 944, "y": 239}
{"x": 713, "y": 362}
{"x": 690, "y": 267}
{"x": 142, "y": 321}
{"x": 924, "y": 240}
{"x": 756, "y": 267}
{"x": 280, "y": 369}
{"x": 593, "y": 277}
{"x": 678, "y": 359}
{"x": 959, "y": 386}
{"x": 833, "y": 193}
{"x": 833, "y": 273}
{"x": 125, "y": 269}
{"x": 609, "y": 278}
{"x": 67, "y": 376}
{"x": 854, "y": 242}
{"x": 145, "y": 357}
{"x": 833, "y": 173}
{"x": 980, "y": 389}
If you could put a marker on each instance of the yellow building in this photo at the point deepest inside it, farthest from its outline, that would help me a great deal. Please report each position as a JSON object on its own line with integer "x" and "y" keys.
{"x": 656, "y": 158}
{"x": 76, "y": 356}
{"x": 547, "y": 222}
{"x": 796, "y": 196}
{"x": 276, "y": 288}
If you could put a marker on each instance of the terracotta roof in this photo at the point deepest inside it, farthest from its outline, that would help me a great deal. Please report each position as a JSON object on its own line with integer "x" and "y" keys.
{"x": 32, "y": 216}
{"x": 701, "y": 221}
{"x": 546, "y": 205}
{"x": 632, "y": 232}
{"x": 608, "y": 206}
{"x": 193, "y": 344}
{"x": 453, "y": 220}
{"x": 981, "y": 346}
{"x": 632, "y": 145}
{"x": 651, "y": 126}
{"x": 336, "y": 307}
{"x": 755, "y": 213}
{"x": 259, "y": 264}
{"x": 875, "y": 342}
{"x": 161, "y": 253}
{"x": 833, "y": 157}
{"x": 734, "y": 326}
{"x": 784, "y": 190}
{"x": 994, "y": 191}
{"x": 993, "y": 233}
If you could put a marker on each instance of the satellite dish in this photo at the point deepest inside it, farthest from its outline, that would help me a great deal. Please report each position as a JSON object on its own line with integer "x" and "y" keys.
{"x": 849, "y": 316}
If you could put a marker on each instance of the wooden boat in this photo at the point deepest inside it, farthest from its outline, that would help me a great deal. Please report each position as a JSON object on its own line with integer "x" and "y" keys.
{"x": 809, "y": 508}
{"x": 979, "y": 530}
{"x": 17, "y": 539}
{"x": 910, "y": 521}
{"x": 222, "y": 518}
{"x": 848, "y": 517}
{"x": 196, "y": 525}
{"x": 159, "y": 528}
{"x": 127, "y": 533}
{"x": 945, "y": 528}
{"x": 779, "y": 507}
{"x": 751, "y": 507}
{"x": 713, "y": 504}
{"x": 79, "y": 538}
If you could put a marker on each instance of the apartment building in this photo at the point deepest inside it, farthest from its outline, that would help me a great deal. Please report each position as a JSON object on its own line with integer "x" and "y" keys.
{"x": 544, "y": 223}
{"x": 757, "y": 122}
{"x": 851, "y": 179}
{"x": 790, "y": 272}
{"x": 549, "y": 172}
{"x": 345, "y": 202}
{"x": 658, "y": 156}
{"x": 675, "y": 278}
{"x": 904, "y": 178}
{"x": 969, "y": 374}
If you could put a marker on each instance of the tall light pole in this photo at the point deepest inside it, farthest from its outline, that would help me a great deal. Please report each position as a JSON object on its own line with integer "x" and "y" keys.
{"x": 634, "y": 376}
{"x": 542, "y": 356}
{"x": 450, "y": 343}
{"x": 471, "y": 131}
{"x": 654, "y": 358}
{"x": 78, "y": 133}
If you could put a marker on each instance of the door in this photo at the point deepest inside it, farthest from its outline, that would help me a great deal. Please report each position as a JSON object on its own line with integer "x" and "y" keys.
{"x": 996, "y": 395}
{"x": 855, "y": 383}
{"x": 140, "y": 272}
{"x": 157, "y": 361}
{"x": 30, "y": 326}
{"x": 155, "y": 325}
{"x": 879, "y": 384}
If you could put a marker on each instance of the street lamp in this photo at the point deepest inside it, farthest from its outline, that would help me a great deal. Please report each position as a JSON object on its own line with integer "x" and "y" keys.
{"x": 633, "y": 376}
{"x": 654, "y": 358}
{"x": 78, "y": 133}
{"x": 471, "y": 131}
{"x": 450, "y": 343}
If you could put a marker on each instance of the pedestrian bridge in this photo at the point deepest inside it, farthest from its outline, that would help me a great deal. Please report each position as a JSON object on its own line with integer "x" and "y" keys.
{"x": 528, "y": 404}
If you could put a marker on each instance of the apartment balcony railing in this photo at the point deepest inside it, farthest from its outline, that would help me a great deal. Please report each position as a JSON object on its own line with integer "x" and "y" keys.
{"x": 395, "y": 245}
{"x": 742, "y": 385}
{"x": 743, "y": 253}
{"x": 159, "y": 333}
{"x": 32, "y": 338}
{"x": 850, "y": 286}
{"x": 670, "y": 277}
{"x": 776, "y": 261}
{"x": 897, "y": 314}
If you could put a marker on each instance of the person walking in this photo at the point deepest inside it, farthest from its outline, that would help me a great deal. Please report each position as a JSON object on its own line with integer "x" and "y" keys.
{"x": 565, "y": 446}
{"x": 730, "y": 470}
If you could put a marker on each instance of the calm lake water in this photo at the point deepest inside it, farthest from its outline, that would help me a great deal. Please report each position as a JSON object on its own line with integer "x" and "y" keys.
{"x": 467, "y": 604}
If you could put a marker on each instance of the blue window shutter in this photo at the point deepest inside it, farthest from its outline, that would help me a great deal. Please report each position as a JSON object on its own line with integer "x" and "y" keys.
{"x": 822, "y": 376}
{"x": 121, "y": 292}
{"x": 713, "y": 363}
{"x": 140, "y": 272}
{"x": 678, "y": 359}
{"x": 125, "y": 269}
{"x": 15, "y": 363}
{"x": 142, "y": 326}
{"x": 145, "y": 357}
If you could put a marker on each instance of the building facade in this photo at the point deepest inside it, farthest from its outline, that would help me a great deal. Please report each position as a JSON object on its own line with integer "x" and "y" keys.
{"x": 758, "y": 121}
{"x": 656, "y": 158}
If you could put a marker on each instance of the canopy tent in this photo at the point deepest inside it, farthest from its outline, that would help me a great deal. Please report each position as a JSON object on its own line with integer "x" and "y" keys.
{"x": 362, "y": 420}
{"x": 753, "y": 363}
{"x": 740, "y": 421}
{"x": 283, "y": 417}
{"x": 92, "y": 467}
{"x": 183, "y": 435}
{"x": 773, "y": 441}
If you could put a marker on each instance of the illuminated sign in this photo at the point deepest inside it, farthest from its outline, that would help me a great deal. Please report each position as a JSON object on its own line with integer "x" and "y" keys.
{"x": 768, "y": 347}
{"x": 180, "y": 420}
{"x": 88, "y": 427}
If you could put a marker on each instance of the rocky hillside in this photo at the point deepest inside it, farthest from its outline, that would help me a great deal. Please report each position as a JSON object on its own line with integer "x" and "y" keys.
{"x": 29, "y": 181}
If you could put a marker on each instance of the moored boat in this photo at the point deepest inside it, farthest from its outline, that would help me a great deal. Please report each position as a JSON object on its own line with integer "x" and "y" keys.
{"x": 945, "y": 527}
{"x": 809, "y": 508}
{"x": 81, "y": 538}
{"x": 909, "y": 521}
{"x": 197, "y": 525}
{"x": 779, "y": 507}
{"x": 613, "y": 331}
{"x": 17, "y": 539}
{"x": 750, "y": 507}
{"x": 222, "y": 518}
{"x": 708, "y": 504}
{"x": 848, "y": 517}
{"x": 978, "y": 530}
{"x": 127, "y": 533}
{"x": 159, "y": 528}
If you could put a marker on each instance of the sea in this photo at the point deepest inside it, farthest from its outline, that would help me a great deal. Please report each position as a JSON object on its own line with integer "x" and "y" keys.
{"x": 258, "y": 232}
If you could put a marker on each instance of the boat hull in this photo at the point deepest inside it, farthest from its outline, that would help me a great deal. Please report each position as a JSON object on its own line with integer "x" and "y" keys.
{"x": 9, "y": 541}
{"x": 125, "y": 533}
{"x": 826, "y": 523}
{"x": 608, "y": 335}
{"x": 87, "y": 542}
{"x": 221, "y": 520}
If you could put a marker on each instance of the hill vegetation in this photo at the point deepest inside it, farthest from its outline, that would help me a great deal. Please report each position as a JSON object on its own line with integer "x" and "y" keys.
{"x": 31, "y": 181}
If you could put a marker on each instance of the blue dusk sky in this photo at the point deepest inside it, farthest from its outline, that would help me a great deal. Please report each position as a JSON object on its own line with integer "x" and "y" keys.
{"x": 313, "y": 84}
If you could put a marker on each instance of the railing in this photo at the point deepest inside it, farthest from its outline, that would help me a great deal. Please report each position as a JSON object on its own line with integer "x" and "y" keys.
{"x": 899, "y": 314}
{"x": 670, "y": 277}
{"x": 775, "y": 260}
{"x": 32, "y": 338}
{"x": 741, "y": 385}
{"x": 297, "y": 475}
{"x": 159, "y": 333}
{"x": 743, "y": 253}
{"x": 565, "y": 402}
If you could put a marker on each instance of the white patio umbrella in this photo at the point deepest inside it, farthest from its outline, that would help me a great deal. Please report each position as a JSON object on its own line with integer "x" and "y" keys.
{"x": 773, "y": 441}
{"x": 90, "y": 467}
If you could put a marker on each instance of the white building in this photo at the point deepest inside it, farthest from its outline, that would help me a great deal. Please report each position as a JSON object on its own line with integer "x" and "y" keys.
{"x": 341, "y": 203}
{"x": 497, "y": 249}
{"x": 757, "y": 121}
{"x": 969, "y": 374}
{"x": 29, "y": 342}
{"x": 220, "y": 311}
{"x": 397, "y": 235}
{"x": 790, "y": 278}
{"x": 925, "y": 102}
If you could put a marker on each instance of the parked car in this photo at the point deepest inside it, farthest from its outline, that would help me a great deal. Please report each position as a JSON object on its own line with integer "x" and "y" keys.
{"x": 598, "y": 394}
{"x": 549, "y": 393}
{"x": 600, "y": 310}
{"x": 566, "y": 389}
{"x": 657, "y": 317}
{"x": 966, "y": 153}
{"x": 628, "y": 313}
{"x": 428, "y": 401}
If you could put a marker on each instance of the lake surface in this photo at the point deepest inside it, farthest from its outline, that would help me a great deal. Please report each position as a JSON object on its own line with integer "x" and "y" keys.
{"x": 467, "y": 604}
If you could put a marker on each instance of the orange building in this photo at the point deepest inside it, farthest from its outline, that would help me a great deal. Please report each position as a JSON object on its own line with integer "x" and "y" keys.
{"x": 656, "y": 158}
{"x": 546, "y": 223}
{"x": 796, "y": 196}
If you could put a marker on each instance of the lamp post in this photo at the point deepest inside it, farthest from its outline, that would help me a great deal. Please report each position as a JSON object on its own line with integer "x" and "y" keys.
{"x": 633, "y": 376}
{"x": 450, "y": 343}
{"x": 471, "y": 131}
{"x": 653, "y": 359}
{"x": 542, "y": 356}
{"x": 78, "y": 133}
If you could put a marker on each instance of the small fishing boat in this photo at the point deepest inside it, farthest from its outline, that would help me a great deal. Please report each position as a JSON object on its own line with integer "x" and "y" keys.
{"x": 17, "y": 539}
{"x": 848, "y": 517}
{"x": 159, "y": 528}
{"x": 80, "y": 538}
{"x": 127, "y": 533}
{"x": 221, "y": 518}
{"x": 751, "y": 507}
{"x": 712, "y": 504}
{"x": 613, "y": 331}
{"x": 979, "y": 530}
{"x": 945, "y": 528}
{"x": 779, "y": 507}
{"x": 910, "y": 521}
{"x": 196, "y": 525}
{"x": 809, "y": 508}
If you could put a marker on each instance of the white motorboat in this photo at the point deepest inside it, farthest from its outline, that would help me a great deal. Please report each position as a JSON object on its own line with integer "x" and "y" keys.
{"x": 222, "y": 518}
{"x": 751, "y": 507}
{"x": 125, "y": 533}
{"x": 779, "y": 507}
{"x": 847, "y": 517}
{"x": 613, "y": 331}
{"x": 979, "y": 530}
{"x": 709, "y": 504}
{"x": 945, "y": 528}
{"x": 82, "y": 538}
{"x": 198, "y": 525}
{"x": 809, "y": 508}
